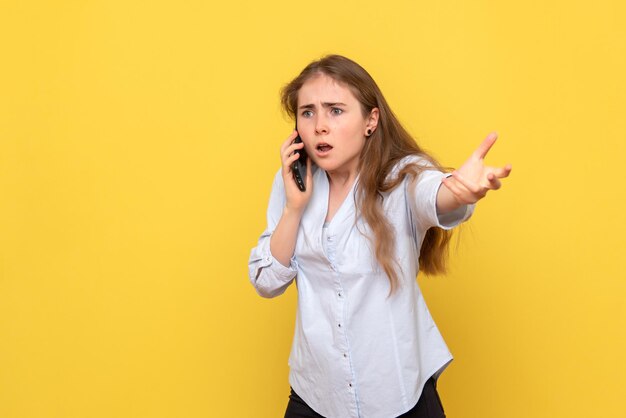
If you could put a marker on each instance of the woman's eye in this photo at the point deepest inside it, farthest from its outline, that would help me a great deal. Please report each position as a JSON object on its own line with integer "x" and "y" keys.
{"x": 337, "y": 111}
{"x": 307, "y": 113}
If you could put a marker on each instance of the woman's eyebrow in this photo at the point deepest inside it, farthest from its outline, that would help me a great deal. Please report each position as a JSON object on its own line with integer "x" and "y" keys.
{"x": 325, "y": 104}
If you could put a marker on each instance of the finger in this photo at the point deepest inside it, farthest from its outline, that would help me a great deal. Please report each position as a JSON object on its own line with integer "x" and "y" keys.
{"x": 494, "y": 183}
{"x": 291, "y": 148}
{"x": 289, "y": 157}
{"x": 287, "y": 152}
{"x": 289, "y": 140}
{"x": 462, "y": 189}
{"x": 287, "y": 170}
{"x": 486, "y": 145}
{"x": 288, "y": 160}
{"x": 471, "y": 186}
{"x": 502, "y": 172}
{"x": 460, "y": 194}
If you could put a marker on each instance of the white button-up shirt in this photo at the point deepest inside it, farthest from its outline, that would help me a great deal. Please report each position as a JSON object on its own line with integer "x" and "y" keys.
{"x": 357, "y": 352}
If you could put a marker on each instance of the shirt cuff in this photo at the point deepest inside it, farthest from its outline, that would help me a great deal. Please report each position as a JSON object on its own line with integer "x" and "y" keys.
{"x": 456, "y": 217}
{"x": 278, "y": 270}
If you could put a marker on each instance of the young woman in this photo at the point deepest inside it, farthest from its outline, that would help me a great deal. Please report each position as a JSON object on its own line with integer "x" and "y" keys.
{"x": 376, "y": 210}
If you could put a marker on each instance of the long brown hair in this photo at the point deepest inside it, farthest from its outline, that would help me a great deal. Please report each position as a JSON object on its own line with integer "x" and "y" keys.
{"x": 389, "y": 143}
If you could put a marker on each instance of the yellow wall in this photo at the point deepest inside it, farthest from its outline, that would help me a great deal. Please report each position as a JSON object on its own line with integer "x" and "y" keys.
{"x": 138, "y": 141}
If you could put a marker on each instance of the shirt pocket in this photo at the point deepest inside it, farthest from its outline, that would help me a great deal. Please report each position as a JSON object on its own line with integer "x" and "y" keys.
{"x": 358, "y": 253}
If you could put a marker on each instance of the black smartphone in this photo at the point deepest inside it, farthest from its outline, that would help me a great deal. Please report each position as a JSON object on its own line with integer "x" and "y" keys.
{"x": 298, "y": 167}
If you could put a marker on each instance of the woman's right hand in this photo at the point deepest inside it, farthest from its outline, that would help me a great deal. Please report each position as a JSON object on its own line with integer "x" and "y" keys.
{"x": 296, "y": 199}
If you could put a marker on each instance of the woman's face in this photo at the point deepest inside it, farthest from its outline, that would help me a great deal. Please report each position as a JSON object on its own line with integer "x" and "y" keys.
{"x": 331, "y": 124}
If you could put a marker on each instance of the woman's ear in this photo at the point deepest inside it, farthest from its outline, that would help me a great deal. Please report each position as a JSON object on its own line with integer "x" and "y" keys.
{"x": 372, "y": 122}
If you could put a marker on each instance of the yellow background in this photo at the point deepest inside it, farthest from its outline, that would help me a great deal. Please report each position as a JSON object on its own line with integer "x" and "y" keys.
{"x": 138, "y": 142}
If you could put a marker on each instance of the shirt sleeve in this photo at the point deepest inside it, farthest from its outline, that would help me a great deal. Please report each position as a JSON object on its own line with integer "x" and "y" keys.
{"x": 425, "y": 203}
{"x": 268, "y": 276}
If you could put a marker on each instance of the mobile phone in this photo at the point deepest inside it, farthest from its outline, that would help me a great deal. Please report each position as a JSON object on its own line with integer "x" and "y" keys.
{"x": 298, "y": 167}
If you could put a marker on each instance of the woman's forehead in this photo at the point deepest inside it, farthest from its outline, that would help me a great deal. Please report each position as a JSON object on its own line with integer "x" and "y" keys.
{"x": 323, "y": 88}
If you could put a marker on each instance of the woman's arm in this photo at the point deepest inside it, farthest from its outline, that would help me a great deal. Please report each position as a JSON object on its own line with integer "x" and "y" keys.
{"x": 268, "y": 275}
{"x": 270, "y": 266}
{"x": 283, "y": 241}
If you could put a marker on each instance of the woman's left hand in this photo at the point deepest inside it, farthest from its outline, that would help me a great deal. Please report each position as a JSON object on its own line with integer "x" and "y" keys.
{"x": 473, "y": 179}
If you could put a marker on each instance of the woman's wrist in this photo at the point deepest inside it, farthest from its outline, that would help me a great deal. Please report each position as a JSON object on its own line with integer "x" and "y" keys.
{"x": 292, "y": 213}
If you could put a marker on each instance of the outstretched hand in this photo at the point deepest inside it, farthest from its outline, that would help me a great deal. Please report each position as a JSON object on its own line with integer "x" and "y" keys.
{"x": 473, "y": 179}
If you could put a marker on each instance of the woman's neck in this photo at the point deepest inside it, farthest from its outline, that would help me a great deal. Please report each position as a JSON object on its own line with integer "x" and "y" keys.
{"x": 341, "y": 179}
{"x": 344, "y": 176}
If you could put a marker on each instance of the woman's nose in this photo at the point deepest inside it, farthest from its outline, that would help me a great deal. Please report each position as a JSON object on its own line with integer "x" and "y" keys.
{"x": 321, "y": 127}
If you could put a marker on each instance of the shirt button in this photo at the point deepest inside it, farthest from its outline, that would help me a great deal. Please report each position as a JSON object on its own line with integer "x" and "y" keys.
{"x": 345, "y": 355}
{"x": 339, "y": 325}
{"x": 350, "y": 384}
{"x": 339, "y": 294}
{"x": 329, "y": 238}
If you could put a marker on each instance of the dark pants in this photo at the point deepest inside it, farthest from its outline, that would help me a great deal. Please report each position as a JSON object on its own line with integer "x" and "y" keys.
{"x": 428, "y": 406}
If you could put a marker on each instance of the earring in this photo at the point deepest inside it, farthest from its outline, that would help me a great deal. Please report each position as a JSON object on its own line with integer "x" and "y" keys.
{"x": 369, "y": 132}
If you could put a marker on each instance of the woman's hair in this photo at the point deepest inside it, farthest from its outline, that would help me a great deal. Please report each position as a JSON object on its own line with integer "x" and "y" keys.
{"x": 389, "y": 143}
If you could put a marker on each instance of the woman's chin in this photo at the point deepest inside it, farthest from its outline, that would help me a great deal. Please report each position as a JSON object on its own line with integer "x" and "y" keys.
{"x": 325, "y": 165}
{"x": 331, "y": 166}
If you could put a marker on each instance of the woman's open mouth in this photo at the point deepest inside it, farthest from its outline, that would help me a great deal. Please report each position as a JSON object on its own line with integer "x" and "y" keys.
{"x": 323, "y": 149}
